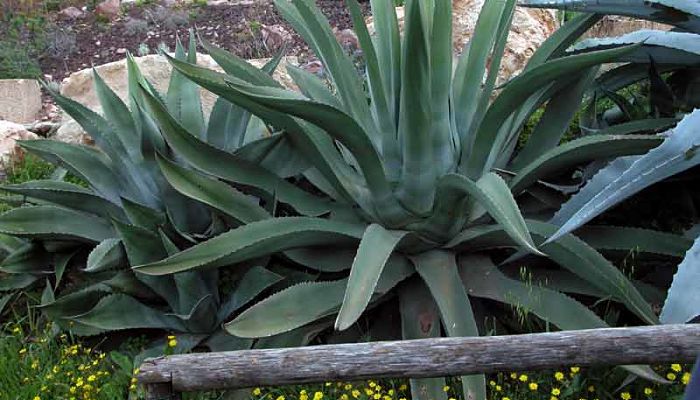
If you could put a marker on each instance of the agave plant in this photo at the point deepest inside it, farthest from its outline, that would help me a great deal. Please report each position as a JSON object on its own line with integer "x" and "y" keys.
{"x": 676, "y": 53}
{"x": 129, "y": 215}
{"x": 413, "y": 179}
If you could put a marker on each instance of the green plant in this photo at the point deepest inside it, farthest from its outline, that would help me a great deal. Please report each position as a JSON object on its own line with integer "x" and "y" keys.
{"x": 405, "y": 196}
{"x": 81, "y": 241}
{"x": 677, "y": 54}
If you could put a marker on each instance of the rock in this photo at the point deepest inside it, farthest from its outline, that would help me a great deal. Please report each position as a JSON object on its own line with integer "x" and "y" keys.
{"x": 274, "y": 37}
{"x": 43, "y": 128}
{"x": 20, "y": 100}
{"x": 72, "y": 12}
{"x": 108, "y": 9}
{"x": 529, "y": 29}
{"x": 10, "y": 133}
{"x": 156, "y": 69}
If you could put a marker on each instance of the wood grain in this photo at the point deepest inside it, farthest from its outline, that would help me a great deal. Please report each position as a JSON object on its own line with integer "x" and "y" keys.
{"x": 424, "y": 358}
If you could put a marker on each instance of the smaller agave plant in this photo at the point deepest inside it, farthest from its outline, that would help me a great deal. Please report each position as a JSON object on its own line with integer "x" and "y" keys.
{"x": 675, "y": 53}
{"x": 414, "y": 188}
{"x": 83, "y": 240}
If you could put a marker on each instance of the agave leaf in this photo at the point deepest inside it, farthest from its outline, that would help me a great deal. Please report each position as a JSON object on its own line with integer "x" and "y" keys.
{"x": 118, "y": 127}
{"x": 61, "y": 261}
{"x": 11, "y": 282}
{"x": 482, "y": 279}
{"x": 578, "y": 257}
{"x": 580, "y": 151}
{"x": 634, "y": 239}
{"x": 438, "y": 269}
{"x": 627, "y": 176}
{"x": 227, "y": 125}
{"x": 286, "y": 310}
{"x": 682, "y": 303}
{"x": 30, "y": 258}
{"x": 82, "y": 161}
{"x": 554, "y": 122}
{"x": 651, "y": 125}
{"x": 277, "y": 154}
{"x": 222, "y": 341}
{"x": 388, "y": 49}
{"x": 298, "y": 337}
{"x": 226, "y": 166}
{"x": 318, "y": 34}
{"x": 4, "y": 300}
{"x": 677, "y": 48}
{"x": 67, "y": 195}
{"x": 257, "y": 239}
{"x": 142, "y": 216}
{"x": 109, "y": 254}
{"x": 492, "y": 193}
{"x": 50, "y": 222}
{"x": 312, "y": 87}
{"x": 683, "y": 14}
{"x": 420, "y": 319}
{"x": 212, "y": 192}
{"x": 374, "y": 251}
{"x": 109, "y": 315}
{"x": 183, "y": 98}
{"x": 254, "y": 282}
{"x": 489, "y": 141}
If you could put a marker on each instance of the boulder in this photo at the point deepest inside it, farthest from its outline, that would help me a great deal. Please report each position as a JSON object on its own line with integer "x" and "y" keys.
{"x": 20, "y": 100}
{"x": 109, "y": 9}
{"x": 530, "y": 28}
{"x": 72, "y": 12}
{"x": 156, "y": 69}
{"x": 615, "y": 25}
{"x": 10, "y": 133}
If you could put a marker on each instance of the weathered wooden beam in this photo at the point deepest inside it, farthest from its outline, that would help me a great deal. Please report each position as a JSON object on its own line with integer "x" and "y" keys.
{"x": 424, "y": 358}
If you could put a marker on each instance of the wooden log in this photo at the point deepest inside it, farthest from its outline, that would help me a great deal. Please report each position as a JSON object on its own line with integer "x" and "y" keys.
{"x": 424, "y": 358}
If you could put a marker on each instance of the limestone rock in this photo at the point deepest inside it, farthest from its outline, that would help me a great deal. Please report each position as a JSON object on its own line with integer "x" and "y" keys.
{"x": 156, "y": 69}
{"x": 10, "y": 133}
{"x": 108, "y": 9}
{"x": 72, "y": 12}
{"x": 530, "y": 28}
{"x": 20, "y": 100}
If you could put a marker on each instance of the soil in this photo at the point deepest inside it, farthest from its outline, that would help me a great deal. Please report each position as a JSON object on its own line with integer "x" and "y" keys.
{"x": 236, "y": 28}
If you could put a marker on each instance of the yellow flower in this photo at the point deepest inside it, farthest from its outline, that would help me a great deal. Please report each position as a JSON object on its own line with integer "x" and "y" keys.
{"x": 377, "y": 396}
{"x": 303, "y": 397}
{"x": 56, "y": 369}
{"x": 23, "y": 351}
{"x": 553, "y": 398}
{"x": 355, "y": 393}
{"x": 17, "y": 330}
{"x": 92, "y": 378}
{"x": 559, "y": 376}
{"x": 686, "y": 378}
{"x": 671, "y": 376}
{"x": 575, "y": 370}
{"x": 344, "y": 397}
{"x": 378, "y": 388}
{"x": 171, "y": 337}
{"x": 280, "y": 397}
{"x": 318, "y": 396}
{"x": 625, "y": 396}
{"x": 44, "y": 388}
{"x": 451, "y": 398}
{"x": 533, "y": 386}
{"x": 505, "y": 398}
{"x": 676, "y": 367}
{"x": 303, "y": 391}
{"x": 72, "y": 389}
{"x": 403, "y": 398}
{"x": 591, "y": 388}
{"x": 492, "y": 383}
{"x": 498, "y": 388}
{"x": 132, "y": 387}
{"x": 391, "y": 392}
{"x": 556, "y": 392}
{"x": 136, "y": 371}
{"x": 445, "y": 388}
{"x": 648, "y": 391}
{"x": 513, "y": 375}
{"x": 36, "y": 398}
{"x": 347, "y": 386}
{"x": 522, "y": 378}
{"x": 403, "y": 388}
{"x": 328, "y": 384}
{"x": 256, "y": 392}
{"x": 35, "y": 364}
{"x": 87, "y": 388}
{"x": 172, "y": 343}
{"x": 372, "y": 384}
{"x": 369, "y": 392}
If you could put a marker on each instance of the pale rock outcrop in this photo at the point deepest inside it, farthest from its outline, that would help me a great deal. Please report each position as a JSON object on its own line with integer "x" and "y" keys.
{"x": 10, "y": 133}
{"x": 20, "y": 100}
